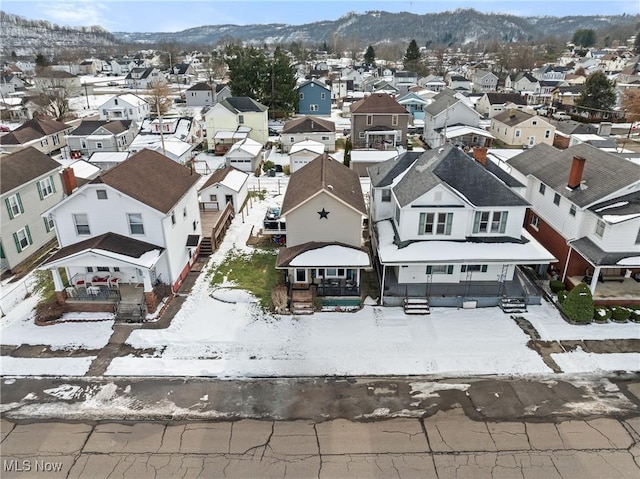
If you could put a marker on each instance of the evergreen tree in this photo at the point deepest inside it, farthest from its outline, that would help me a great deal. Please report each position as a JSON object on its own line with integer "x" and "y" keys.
{"x": 247, "y": 71}
{"x": 598, "y": 94}
{"x": 584, "y": 37}
{"x": 281, "y": 95}
{"x": 41, "y": 61}
{"x": 412, "y": 56}
{"x": 370, "y": 56}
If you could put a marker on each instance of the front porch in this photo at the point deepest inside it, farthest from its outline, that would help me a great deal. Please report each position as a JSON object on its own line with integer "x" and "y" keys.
{"x": 612, "y": 290}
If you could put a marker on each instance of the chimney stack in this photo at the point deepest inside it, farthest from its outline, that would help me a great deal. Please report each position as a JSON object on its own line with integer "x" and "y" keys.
{"x": 69, "y": 183}
{"x": 480, "y": 155}
{"x": 575, "y": 175}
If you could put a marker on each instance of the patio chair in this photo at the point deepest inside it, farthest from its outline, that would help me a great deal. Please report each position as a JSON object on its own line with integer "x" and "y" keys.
{"x": 114, "y": 281}
{"x": 80, "y": 281}
{"x": 72, "y": 292}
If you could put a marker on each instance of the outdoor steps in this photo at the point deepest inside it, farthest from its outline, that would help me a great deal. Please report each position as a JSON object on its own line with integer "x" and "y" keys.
{"x": 416, "y": 306}
{"x": 301, "y": 308}
{"x": 131, "y": 312}
{"x": 513, "y": 305}
{"x": 301, "y": 301}
{"x": 206, "y": 249}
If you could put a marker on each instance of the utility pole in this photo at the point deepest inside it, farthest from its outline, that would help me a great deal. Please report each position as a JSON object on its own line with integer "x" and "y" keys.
{"x": 164, "y": 151}
{"x": 86, "y": 95}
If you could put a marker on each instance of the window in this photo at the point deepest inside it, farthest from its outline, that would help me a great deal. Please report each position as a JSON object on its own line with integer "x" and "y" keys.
{"x": 369, "y": 119}
{"x": 46, "y": 187}
{"x": 481, "y": 222}
{"x": 302, "y": 96}
{"x": 323, "y": 96}
{"x": 394, "y": 120}
{"x": 173, "y": 217}
{"x": 499, "y": 221}
{"x": 572, "y": 210}
{"x": 435, "y": 223}
{"x": 103, "y": 269}
{"x": 440, "y": 269}
{"x": 83, "y": 144}
{"x": 184, "y": 212}
{"x": 535, "y": 221}
{"x": 48, "y": 224}
{"x": 44, "y": 142}
{"x": 56, "y": 140}
{"x": 213, "y": 198}
{"x": 542, "y": 188}
{"x": 556, "y": 199}
{"x": 361, "y": 135}
{"x": 547, "y": 133}
{"x": 241, "y": 119}
{"x": 534, "y": 122}
{"x": 325, "y": 138}
{"x": 386, "y": 196}
{"x": 89, "y": 269}
{"x": 14, "y": 205}
{"x": 301, "y": 275}
{"x": 600, "y": 228}
{"x": 518, "y": 133}
{"x": 99, "y": 145}
{"x": 22, "y": 239}
{"x": 81, "y": 221}
{"x": 474, "y": 267}
{"x": 101, "y": 194}
{"x": 135, "y": 223}
{"x": 313, "y": 107}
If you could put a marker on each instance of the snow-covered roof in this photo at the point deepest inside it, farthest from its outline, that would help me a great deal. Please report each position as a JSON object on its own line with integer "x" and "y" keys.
{"x": 247, "y": 145}
{"x": 372, "y": 156}
{"x": 235, "y": 179}
{"x": 461, "y": 130}
{"x": 332, "y": 255}
{"x": 310, "y": 145}
{"x": 461, "y": 252}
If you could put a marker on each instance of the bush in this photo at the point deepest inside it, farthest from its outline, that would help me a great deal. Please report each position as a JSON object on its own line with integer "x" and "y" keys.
{"x": 635, "y": 315}
{"x": 620, "y": 314}
{"x": 268, "y": 165}
{"x": 556, "y": 286}
{"x": 578, "y": 305}
{"x": 279, "y": 298}
{"x": 286, "y": 169}
{"x": 602, "y": 315}
{"x": 49, "y": 311}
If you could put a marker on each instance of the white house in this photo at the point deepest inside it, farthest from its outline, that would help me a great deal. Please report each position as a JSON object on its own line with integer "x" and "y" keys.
{"x": 448, "y": 231}
{"x": 142, "y": 78}
{"x": 309, "y": 128}
{"x": 245, "y": 155}
{"x": 227, "y": 185}
{"x": 97, "y": 135}
{"x": 136, "y": 224}
{"x": 124, "y": 107}
{"x": 446, "y": 110}
{"x": 200, "y": 94}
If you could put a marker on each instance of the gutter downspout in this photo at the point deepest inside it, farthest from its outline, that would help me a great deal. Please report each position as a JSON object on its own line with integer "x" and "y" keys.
{"x": 384, "y": 269}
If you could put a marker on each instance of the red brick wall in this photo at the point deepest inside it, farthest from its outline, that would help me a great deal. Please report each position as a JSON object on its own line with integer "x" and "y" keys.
{"x": 550, "y": 239}
{"x": 89, "y": 307}
{"x": 561, "y": 142}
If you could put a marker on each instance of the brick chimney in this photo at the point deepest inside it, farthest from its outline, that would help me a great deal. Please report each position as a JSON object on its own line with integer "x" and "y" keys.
{"x": 575, "y": 175}
{"x": 480, "y": 155}
{"x": 69, "y": 183}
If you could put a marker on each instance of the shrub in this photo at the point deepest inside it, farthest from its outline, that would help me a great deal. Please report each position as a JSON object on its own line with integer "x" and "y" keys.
{"x": 635, "y": 315}
{"x": 268, "y": 165}
{"x": 49, "y": 311}
{"x": 562, "y": 295}
{"x": 602, "y": 315}
{"x": 620, "y": 314}
{"x": 286, "y": 169}
{"x": 279, "y": 298}
{"x": 556, "y": 286}
{"x": 578, "y": 305}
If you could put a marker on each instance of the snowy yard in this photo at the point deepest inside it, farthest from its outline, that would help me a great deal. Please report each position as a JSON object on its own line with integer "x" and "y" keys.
{"x": 234, "y": 338}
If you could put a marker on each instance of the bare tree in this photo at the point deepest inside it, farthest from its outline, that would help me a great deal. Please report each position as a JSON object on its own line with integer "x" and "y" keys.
{"x": 159, "y": 98}
{"x": 57, "y": 88}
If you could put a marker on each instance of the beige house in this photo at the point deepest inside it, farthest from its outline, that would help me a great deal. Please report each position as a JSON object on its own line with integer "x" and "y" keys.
{"x": 324, "y": 255}
{"x": 44, "y": 134}
{"x": 517, "y": 128}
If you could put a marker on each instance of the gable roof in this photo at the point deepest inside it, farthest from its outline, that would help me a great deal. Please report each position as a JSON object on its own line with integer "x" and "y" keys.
{"x": 328, "y": 175}
{"x": 32, "y": 130}
{"x": 315, "y": 82}
{"x": 513, "y": 117}
{"x": 378, "y": 103}
{"x": 220, "y": 176}
{"x": 456, "y": 169}
{"x": 383, "y": 174}
{"x": 309, "y": 124}
{"x": 23, "y": 166}
{"x": 200, "y": 87}
{"x": 603, "y": 175}
{"x": 151, "y": 178}
{"x": 502, "y": 98}
{"x": 88, "y": 127}
{"x": 242, "y": 104}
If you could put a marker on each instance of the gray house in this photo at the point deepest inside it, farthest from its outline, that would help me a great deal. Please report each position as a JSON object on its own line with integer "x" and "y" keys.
{"x": 30, "y": 185}
{"x": 93, "y": 136}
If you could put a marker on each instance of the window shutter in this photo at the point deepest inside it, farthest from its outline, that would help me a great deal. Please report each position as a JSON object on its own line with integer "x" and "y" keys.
{"x": 53, "y": 184}
{"x": 483, "y": 268}
{"x": 503, "y": 221}
{"x": 46, "y": 225}
{"x": 421, "y": 225}
{"x": 476, "y": 222}
{"x": 463, "y": 268}
{"x": 26, "y": 228}
{"x": 6, "y": 202}
{"x": 447, "y": 229}
{"x": 39, "y": 190}
{"x": 19, "y": 203}
{"x": 15, "y": 238}
{"x": 450, "y": 269}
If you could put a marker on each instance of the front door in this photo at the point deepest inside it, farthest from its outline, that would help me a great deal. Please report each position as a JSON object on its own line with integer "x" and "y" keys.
{"x": 228, "y": 199}
{"x": 532, "y": 141}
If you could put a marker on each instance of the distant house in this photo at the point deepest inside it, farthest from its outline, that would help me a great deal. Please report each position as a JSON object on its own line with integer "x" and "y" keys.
{"x": 92, "y": 136}
{"x": 448, "y": 232}
{"x": 245, "y": 155}
{"x": 143, "y": 78}
{"x": 414, "y": 104}
{"x": 458, "y": 82}
{"x": 182, "y": 73}
{"x": 228, "y": 185}
{"x": 309, "y": 128}
{"x": 446, "y": 110}
{"x": 235, "y": 114}
{"x": 50, "y": 78}
{"x": 222, "y": 92}
{"x": 125, "y": 107}
{"x": 522, "y": 82}
{"x": 484, "y": 81}
{"x": 134, "y": 227}
{"x": 378, "y": 121}
{"x": 517, "y": 128}
{"x": 314, "y": 98}
{"x": 43, "y": 133}
{"x": 490, "y": 104}
{"x": 30, "y": 186}
{"x": 433, "y": 83}
{"x": 403, "y": 81}
{"x": 566, "y": 95}
{"x": 324, "y": 256}
{"x": 200, "y": 94}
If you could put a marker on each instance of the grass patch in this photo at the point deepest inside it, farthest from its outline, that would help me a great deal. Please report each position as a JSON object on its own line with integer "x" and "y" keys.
{"x": 254, "y": 272}
{"x": 44, "y": 285}
{"x": 255, "y": 194}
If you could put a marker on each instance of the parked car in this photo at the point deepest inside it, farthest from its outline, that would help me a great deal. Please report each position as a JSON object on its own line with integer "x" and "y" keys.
{"x": 560, "y": 116}
{"x": 4, "y": 128}
{"x": 112, "y": 83}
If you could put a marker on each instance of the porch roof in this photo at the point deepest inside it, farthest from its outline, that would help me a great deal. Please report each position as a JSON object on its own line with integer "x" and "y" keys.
{"x": 597, "y": 257}
{"x": 322, "y": 254}
{"x": 112, "y": 246}
{"x": 525, "y": 250}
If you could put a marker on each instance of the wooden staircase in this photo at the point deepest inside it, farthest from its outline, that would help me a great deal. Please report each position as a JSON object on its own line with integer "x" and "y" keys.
{"x": 206, "y": 249}
{"x": 301, "y": 301}
{"x": 416, "y": 306}
{"x": 513, "y": 305}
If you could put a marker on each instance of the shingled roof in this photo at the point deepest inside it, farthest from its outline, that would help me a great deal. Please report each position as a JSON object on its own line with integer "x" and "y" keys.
{"x": 151, "y": 178}
{"x": 32, "y": 130}
{"x": 512, "y": 117}
{"x": 241, "y": 104}
{"x": 378, "y": 103}
{"x": 24, "y": 166}
{"x": 328, "y": 175}
{"x": 309, "y": 124}
{"x": 89, "y": 127}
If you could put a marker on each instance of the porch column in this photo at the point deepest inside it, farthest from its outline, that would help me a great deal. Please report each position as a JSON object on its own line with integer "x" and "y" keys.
{"x": 594, "y": 280}
{"x": 150, "y": 297}
{"x": 384, "y": 269}
{"x": 58, "y": 286}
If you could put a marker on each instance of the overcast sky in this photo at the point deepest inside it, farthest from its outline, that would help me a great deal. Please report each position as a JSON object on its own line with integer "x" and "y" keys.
{"x": 176, "y": 15}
